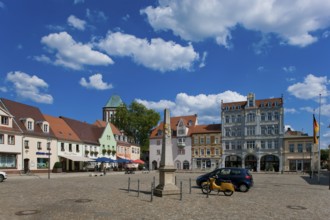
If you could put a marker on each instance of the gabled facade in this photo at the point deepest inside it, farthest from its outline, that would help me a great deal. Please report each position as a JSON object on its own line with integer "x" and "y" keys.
{"x": 89, "y": 134}
{"x": 10, "y": 142}
{"x": 206, "y": 147}
{"x": 108, "y": 143}
{"x": 252, "y": 133}
{"x": 70, "y": 149}
{"x": 181, "y": 128}
{"x": 300, "y": 154}
{"x": 38, "y": 143}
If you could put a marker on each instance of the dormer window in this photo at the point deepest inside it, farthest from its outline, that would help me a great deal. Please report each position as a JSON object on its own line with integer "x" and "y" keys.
{"x": 29, "y": 125}
{"x": 159, "y": 133}
{"x": 4, "y": 120}
{"x": 45, "y": 128}
{"x": 190, "y": 122}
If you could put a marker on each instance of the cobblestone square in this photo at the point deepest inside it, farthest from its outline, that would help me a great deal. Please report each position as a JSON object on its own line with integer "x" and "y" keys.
{"x": 86, "y": 196}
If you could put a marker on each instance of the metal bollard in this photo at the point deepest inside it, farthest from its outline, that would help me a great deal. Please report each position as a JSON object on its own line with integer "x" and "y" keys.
{"x": 138, "y": 188}
{"x": 189, "y": 185}
{"x": 180, "y": 190}
{"x": 154, "y": 181}
{"x": 207, "y": 194}
{"x": 175, "y": 180}
{"x": 129, "y": 184}
{"x": 152, "y": 192}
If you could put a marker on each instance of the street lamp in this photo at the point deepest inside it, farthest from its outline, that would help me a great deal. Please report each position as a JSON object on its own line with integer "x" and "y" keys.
{"x": 48, "y": 148}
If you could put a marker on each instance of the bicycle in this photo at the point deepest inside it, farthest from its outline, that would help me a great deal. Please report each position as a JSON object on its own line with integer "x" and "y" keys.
{"x": 25, "y": 172}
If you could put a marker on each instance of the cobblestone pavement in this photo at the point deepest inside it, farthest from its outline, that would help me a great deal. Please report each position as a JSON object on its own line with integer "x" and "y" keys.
{"x": 85, "y": 196}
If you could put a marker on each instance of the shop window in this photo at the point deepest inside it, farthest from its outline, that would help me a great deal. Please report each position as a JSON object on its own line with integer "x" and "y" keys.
{"x": 42, "y": 163}
{"x": 7, "y": 161}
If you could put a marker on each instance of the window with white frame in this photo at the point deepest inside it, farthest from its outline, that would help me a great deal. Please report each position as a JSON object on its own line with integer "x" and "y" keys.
{"x": 269, "y": 116}
{"x": 227, "y": 132}
{"x": 227, "y": 145}
{"x": 29, "y": 125}
{"x": 2, "y": 139}
{"x": 201, "y": 140}
{"x": 46, "y": 128}
{"x": 4, "y": 120}
{"x": 196, "y": 152}
{"x": 202, "y": 152}
{"x": 250, "y": 144}
{"x": 270, "y": 130}
{"x": 262, "y": 117}
{"x": 70, "y": 147}
{"x": 251, "y": 131}
{"x": 239, "y": 145}
{"x": 291, "y": 148}
{"x": 269, "y": 144}
{"x": 238, "y": 118}
{"x": 11, "y": 139}
{"x": 208, "y": 140}
{"x": 227, "y": 119}
{"x": 233, "y": 120}
{"x": 158, "y": 152}
{"x": 251, "y": 117}
{"x": 263, "y": 144}
{"x": 62, "y": 146}
{"x": 39, "y": 145}
{"x": 26, "y": 144}
{"x": 276, "y": 144}
{"x": 300, "y": 148}
{"x": 77, "y": 148}
{"x": 216, "y": 140}
{"x": 276, "y": 129}
{"x": 276, "y": 116}
{"x": 195, "y": 140}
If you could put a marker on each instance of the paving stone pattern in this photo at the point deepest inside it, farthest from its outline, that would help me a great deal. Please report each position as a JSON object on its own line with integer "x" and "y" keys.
{"x": 86, "y": 196}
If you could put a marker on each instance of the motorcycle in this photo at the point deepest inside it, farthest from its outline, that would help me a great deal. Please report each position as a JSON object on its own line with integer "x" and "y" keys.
{"x": 225, "y": 186}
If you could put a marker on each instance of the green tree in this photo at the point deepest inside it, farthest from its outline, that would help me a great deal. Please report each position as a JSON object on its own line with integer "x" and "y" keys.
{"x": 324, "y": 154}
{"x": 136, "y": 121}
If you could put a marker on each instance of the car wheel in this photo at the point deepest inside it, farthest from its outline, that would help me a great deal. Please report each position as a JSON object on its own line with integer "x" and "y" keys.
{"x": 1, "y": 178}
{"x": 243, "y": 188}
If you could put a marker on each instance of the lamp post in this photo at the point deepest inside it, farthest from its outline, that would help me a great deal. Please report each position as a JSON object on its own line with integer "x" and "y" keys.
{"x": 48, "y": 148}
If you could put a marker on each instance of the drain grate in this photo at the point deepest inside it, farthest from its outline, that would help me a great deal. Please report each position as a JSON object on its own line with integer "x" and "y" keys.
{"x": 27, "y": 212}
{"x": 296, "y": 207}
{"x": 83, "y": 200}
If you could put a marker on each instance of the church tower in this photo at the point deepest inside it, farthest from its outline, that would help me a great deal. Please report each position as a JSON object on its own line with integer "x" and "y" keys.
{"x": 109, "y": 110}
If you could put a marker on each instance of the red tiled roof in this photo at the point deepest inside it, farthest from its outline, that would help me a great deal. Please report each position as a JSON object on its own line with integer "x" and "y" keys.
{"x": 61, "y": 129}
{"x": 242, "y": 104}
{"x": 202, "y": 129}
{"x": 21, "y": 111}
{"x": 103, "y": 124}
{"x": 174, "y": 122}
{"x": 88, "y": 133}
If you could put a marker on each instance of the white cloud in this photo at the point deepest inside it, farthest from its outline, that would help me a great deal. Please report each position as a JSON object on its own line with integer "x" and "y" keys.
{"x": 293, "y": 21}
{"x": 78, "y": 1}
{"x": 202, "y": 63}
{"x": 29, "y": 87}
{"x": 326, "y": 34}
{"x": 156, "y": 54}
{"x": 95, "y": 15}
{"x": 311, "y": 88}
{"x": 2, "y": 5}
{"x": 290, "y": 110}
{"x": 289, "y": 69}
{"x": 261, "y": 68}
{"x": 95, "y": 82}
{"x": 3, "y": 89}
{"x": 76, "y": 22}
{"x": 207, "y": 107}
{"x": 42, "y": 58}
{"x": 72, "y": 54}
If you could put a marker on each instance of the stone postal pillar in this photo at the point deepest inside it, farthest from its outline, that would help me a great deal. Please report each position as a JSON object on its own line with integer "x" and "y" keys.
{"x": 166, "y": 170}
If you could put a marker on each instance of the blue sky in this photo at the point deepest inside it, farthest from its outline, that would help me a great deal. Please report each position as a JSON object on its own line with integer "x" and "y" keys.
{"x": 68, "y": 57}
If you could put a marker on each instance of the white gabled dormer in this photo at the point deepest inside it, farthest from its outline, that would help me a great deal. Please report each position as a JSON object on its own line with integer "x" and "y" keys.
{"x": 6, "y": 119}
{"x": 181, "y": 129}
{"x": 44, "y": 125}
{"x": 28, "y": 123}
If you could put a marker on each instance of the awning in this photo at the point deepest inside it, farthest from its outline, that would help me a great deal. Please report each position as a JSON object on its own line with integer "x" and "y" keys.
{"x": 77, "y": 158}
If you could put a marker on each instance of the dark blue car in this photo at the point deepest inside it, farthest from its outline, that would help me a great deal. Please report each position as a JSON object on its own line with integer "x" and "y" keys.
{"x": 240, "y": 177}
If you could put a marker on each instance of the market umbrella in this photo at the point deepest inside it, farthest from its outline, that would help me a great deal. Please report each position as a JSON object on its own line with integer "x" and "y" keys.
{"x": 104, "y": 160}
{"x": 138, "y": 161}
{"x": 122, "y": 160}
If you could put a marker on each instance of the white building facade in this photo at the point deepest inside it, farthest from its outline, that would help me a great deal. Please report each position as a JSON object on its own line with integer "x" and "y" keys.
{"x": 252, "y": 134}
